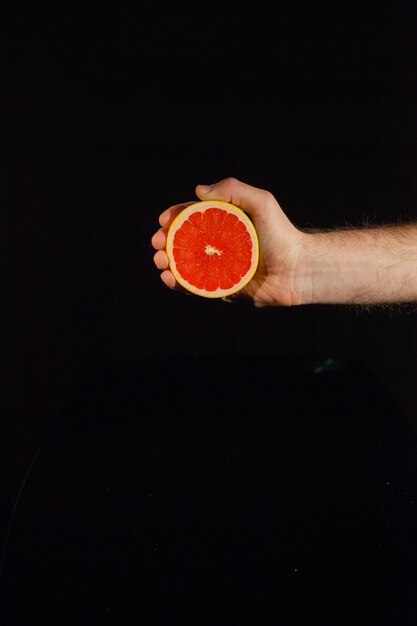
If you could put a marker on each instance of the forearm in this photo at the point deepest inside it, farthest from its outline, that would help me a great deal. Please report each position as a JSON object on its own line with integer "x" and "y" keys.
{"x": 364, "y": 266}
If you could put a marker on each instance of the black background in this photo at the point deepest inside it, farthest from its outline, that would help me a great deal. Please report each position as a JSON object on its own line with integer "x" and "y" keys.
{"x": 112, "y": 115}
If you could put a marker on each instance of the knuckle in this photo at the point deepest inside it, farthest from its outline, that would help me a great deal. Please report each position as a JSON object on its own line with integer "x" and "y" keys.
{"x": 269, "y": 198}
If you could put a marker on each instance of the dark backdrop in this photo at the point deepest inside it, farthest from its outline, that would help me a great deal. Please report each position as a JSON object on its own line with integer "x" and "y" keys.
{"x": 110, "y": 116}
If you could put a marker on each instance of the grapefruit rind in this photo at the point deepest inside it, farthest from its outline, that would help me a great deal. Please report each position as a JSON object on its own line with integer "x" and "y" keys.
{"x": 183, "y": 217}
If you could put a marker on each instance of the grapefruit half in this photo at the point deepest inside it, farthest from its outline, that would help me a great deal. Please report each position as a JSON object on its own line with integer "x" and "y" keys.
{"x": 212, "y": 248}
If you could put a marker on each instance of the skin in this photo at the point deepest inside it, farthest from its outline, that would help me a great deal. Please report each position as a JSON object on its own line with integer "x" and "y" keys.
{"x": 362, "y": 266}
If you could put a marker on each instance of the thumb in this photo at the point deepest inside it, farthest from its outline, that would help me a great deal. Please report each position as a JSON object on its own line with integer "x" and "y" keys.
{"x": 250, "y": 199}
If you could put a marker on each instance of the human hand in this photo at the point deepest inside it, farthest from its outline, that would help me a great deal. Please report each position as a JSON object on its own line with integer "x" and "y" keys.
{"x": 277, "y": 278}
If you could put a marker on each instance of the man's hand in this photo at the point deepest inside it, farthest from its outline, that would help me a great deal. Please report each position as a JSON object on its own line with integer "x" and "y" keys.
{"x": 280, "y": 243}
{"x": 353, "y": 266}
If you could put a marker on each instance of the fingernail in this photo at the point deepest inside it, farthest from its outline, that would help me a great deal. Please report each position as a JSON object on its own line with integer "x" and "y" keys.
{"x": 205, "y": 189}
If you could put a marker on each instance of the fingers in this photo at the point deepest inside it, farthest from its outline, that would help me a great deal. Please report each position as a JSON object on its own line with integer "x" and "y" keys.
{"x": 167, "y": 217}
{"x": 160, "y": 259}
{"x": 248, "y": 198}
{"x": 162, "y": 263}
{"x": 169, "y": 280}
{"x": 159, "y": 239}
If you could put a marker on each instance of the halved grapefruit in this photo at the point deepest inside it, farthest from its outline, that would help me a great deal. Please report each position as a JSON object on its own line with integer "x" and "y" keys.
{"x": 212, "y": 248}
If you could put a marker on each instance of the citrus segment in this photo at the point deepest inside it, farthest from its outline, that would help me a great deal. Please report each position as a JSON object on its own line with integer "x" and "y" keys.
{"x": 212, "y": 248}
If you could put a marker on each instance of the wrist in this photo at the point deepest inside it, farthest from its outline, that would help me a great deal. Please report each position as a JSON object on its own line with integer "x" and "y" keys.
{"x": 334, "y": 267}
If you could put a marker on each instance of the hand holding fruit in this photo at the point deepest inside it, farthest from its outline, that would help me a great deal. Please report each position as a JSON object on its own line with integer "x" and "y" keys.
{"x": 280, "y": 242}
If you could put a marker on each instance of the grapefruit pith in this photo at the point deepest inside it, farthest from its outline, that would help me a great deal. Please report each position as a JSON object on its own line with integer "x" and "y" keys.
{"x": 212, "y": 248}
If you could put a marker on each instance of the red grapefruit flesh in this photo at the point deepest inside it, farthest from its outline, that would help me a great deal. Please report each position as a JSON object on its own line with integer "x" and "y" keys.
{"x": 212, "y": 248}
